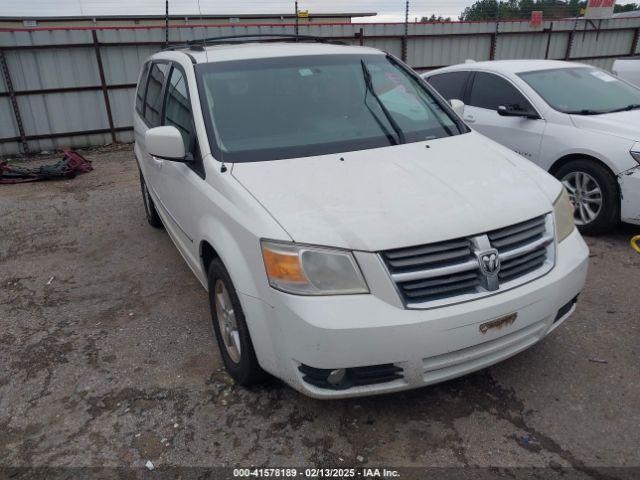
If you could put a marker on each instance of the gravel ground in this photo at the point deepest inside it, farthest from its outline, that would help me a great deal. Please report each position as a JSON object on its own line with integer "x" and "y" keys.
{"x": 107, "y": 359}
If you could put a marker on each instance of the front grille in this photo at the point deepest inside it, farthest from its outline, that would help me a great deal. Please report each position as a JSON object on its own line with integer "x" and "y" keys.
{"x": 356, "y": 376}
{"x": 520, "y": 236}
{"x": 448, "y": 272}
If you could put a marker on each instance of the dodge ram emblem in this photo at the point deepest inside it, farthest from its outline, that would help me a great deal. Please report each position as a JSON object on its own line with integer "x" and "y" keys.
{"x": 489, "y": 261}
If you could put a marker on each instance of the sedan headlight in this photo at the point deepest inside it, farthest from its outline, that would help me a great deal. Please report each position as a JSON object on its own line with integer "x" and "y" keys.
{"x": 635, "y": 153}
{"x": 307, "y": 270}
{"x": 563, "y": 211}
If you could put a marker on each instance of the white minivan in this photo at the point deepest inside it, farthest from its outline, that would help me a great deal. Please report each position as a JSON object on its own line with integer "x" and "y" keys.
{"x": 578, "y": 122}
{"x": 354, "y": 235}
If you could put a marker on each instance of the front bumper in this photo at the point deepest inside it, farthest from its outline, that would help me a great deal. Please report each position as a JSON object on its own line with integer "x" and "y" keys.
{"x": 629, "y": 182}
{"x": 429, "y": 345}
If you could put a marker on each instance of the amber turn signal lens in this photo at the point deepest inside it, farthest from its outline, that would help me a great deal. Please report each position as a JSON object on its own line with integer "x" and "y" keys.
{"x": 283, "y": 266}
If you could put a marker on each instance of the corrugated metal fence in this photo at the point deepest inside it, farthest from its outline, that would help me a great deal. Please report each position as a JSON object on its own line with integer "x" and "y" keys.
{"x": 75, "y": 86}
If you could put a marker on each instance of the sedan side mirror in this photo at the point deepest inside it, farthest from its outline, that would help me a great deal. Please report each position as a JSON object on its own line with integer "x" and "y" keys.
{"x": 166, "y": 143}
{"x": 517, "y": 111}
{"x": 458, "y": 106}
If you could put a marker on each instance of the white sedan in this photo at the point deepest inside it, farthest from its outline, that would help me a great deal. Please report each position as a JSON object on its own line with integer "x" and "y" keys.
{"x": 578, "y": 122}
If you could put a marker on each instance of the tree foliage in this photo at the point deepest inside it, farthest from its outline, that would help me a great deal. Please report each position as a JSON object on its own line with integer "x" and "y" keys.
{"x": 505, "y": 9}
{"x": 435, "y": 18}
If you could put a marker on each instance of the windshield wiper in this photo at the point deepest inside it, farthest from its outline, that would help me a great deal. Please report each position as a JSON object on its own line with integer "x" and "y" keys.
{"x": 585, "y": 111}
{"x": 369, "y": 84}
{"x": 633, "y": 106}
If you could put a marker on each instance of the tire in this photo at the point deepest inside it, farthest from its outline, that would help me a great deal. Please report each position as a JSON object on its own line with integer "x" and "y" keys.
{"x": 596, "y": 213}
{"x": 149, "y": 207}
{"x": 241, "y": 363}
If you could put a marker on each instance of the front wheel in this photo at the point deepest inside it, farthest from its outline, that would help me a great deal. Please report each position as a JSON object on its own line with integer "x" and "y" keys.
{"x": 231, "y": 329}
{"x": 594, "y": 194}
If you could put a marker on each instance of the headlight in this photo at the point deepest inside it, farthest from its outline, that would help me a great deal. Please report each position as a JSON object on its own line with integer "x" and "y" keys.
{"x": 306, "y": 270}
{"x": 563, "y": 212}
{"x": 636, "y": 155}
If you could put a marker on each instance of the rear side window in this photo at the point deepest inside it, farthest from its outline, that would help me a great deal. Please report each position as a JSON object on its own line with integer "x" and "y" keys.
{"x": 490, "y": 91}
{"x": 177, "y": 110}
{"x": 450, "y": 85}
{"x": 153, "y": 101}
{"x": 142, "y": 85}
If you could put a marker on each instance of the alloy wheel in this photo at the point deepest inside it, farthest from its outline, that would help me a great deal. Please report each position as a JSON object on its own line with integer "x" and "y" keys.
{"x": 585, "y": 194}
{"x": 227, "y": 321}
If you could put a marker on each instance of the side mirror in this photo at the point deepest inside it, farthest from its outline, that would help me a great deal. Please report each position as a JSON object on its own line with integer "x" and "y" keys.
{"x": 166, "y": 143}
{"x": 458, "y": 106}
{"x": 517, "y": 111}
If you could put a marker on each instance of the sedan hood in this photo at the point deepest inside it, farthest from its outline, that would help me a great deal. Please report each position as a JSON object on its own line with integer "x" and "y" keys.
{"x": 622, "y": 124}
{"x": 398, "y": 196}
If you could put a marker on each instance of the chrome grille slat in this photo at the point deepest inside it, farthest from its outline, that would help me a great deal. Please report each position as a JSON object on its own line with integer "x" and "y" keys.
{"x": 547, "y": 239}
{"x": 520, "y": 227}
{"x": 430, "y": 293}
{"x": 540, "y": 253}
{"x": 433, "y": 258}
{"x": 521, "y": 237}
{"x": 520, "y": 269}
{"x": 436, "y": 272}
{"x": 426, "y": 249}
{"x": 444, "y": 272}
{"x": 440, "y": 281}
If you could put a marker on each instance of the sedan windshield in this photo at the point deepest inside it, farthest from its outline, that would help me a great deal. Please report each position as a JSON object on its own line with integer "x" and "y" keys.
{"x": 583, "y": 91}
{"x": 288, "y": 107}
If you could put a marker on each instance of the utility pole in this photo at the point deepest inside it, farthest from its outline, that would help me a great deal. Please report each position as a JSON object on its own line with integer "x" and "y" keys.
{"x": 406, "y": 32}
{"x": 166, "y": 24}
{"x": 296, "y": 18}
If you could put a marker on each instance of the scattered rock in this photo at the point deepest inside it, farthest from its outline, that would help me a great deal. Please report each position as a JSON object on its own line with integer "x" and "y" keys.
{"x": 149, "y": 465}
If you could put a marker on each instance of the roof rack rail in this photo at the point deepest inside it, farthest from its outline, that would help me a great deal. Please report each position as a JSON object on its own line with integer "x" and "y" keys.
{"x": 198, "y": 44}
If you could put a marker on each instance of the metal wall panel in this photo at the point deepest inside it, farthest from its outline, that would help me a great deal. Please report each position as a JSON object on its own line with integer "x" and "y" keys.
{"x": 52, "y": 68}
{"x": 442, "y": 51}
{"x": 66, "y": 58}
{"x": 509, "y": 46}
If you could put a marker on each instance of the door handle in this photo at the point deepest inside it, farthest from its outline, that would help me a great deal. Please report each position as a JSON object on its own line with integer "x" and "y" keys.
{"x": 469, "y": 118}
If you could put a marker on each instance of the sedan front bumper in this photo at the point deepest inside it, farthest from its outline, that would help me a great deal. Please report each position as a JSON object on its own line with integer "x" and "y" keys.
{"x": 629, "y": 182}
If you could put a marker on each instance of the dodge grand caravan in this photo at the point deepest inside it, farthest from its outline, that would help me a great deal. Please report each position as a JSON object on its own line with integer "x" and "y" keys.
{"x": 354, "y": 235}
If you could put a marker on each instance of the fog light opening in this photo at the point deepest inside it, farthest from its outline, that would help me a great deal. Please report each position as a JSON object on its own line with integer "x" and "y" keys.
{"x": 336, "y": 376}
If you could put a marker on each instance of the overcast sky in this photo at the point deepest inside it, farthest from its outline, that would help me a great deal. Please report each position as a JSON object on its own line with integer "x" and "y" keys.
{"x": 388, "y": 10}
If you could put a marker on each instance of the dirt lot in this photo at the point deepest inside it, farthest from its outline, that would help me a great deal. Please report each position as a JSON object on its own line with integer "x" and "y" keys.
{"x": 107, "y": 359}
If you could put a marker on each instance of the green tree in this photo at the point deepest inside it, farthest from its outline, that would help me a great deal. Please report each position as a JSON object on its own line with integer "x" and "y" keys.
{"x": 629, "y": 7}
{"x": 434, "y": 18}
{"x": 505, "y": 9}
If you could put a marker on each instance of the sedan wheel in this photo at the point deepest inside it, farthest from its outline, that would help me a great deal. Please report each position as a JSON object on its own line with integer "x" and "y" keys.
{"x": 585, "y": 194}
{"x": 227, "y": 322}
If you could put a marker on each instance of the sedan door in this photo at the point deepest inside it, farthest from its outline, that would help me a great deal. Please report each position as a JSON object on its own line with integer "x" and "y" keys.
{"x": 521, "y": 134}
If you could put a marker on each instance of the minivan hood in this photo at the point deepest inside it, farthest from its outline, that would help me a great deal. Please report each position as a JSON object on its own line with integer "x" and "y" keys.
{"x": 398, "y": 196}
{"x": 621, "y": 124}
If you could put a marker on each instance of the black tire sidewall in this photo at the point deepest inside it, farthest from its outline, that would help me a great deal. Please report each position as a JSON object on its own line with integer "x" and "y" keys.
{"x": 609, "y": 214}
{"x": 149, "y": 207}
{"x": 247, "y": 371}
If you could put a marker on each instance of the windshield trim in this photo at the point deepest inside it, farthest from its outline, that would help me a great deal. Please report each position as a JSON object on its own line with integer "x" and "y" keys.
{"x": 583, "y": 112}
{"x": 301, "y": 151}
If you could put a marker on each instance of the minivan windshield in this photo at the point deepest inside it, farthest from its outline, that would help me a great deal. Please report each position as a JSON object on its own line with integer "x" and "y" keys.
{"x": 289, "y": 107}
{"x": 583, "y": 91}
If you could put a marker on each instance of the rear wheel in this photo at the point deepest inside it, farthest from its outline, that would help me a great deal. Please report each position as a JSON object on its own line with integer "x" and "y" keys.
{"x": 594, "y": 194}
{"x": 149, "y": 207}
{"x": 231, "y": 329}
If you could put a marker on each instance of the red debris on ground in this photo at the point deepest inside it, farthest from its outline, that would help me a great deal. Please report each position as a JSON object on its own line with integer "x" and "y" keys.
{"x": 72, "y": 164}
